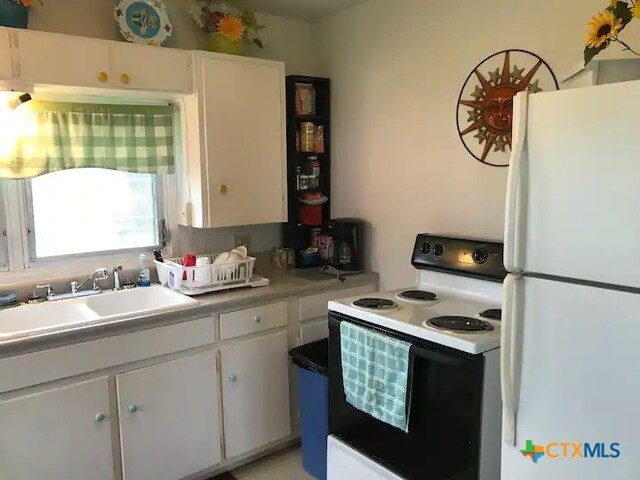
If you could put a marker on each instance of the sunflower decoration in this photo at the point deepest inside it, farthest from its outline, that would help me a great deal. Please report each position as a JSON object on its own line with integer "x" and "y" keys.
{"x": 232, "y": 28}
{"x": 605, "y": 28}
{"x": 227, "y": 23}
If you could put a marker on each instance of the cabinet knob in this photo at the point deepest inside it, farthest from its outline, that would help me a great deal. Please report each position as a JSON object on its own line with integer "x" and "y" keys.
{"x": 132, "y": 408}
{"x": 103, "y": 77}
{"x": 223, "y": 189}
{"x": 232, "y": 378}
{"x": 125, "y": 79}
{"x": 99, "y": 417}
{"x": 258, "y": 319}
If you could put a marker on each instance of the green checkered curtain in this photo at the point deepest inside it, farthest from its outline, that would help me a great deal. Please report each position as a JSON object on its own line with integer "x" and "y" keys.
{"x": 61, "y": 136}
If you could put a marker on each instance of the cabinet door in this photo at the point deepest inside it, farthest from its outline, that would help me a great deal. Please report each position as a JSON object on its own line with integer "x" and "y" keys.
{"x": 150, "y": 68}
{"x": 169, "y": 418}
{"x": 55, "y": 59}
{"x": 244, "y": 131}
{"x": 314, "y": 330}
{"x": 58, "y": 434}
{"x": 255, "y": 393}
{"x": 5, "y": 54}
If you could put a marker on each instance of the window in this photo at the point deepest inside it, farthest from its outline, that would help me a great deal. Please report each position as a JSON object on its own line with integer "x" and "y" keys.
{"x": 90, "y": 210}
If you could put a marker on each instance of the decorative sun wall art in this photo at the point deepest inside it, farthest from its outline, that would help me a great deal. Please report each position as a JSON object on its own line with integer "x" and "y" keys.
{"x": 485, "y": 104}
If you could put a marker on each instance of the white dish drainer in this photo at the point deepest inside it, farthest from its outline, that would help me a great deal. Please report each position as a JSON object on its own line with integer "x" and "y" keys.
{"x": 208, "y": 278}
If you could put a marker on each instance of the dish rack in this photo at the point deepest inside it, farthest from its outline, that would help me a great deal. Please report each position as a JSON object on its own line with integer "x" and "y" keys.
{"x": 207, "y": 278}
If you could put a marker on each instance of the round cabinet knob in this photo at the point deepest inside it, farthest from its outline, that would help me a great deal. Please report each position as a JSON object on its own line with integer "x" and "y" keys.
{"x": 223, "y": 189}
{"x": 99, "y": 417}
{"x": 426, "y": 248}
{"x": 125, "y": 79}
{"x": 103, "y": 77}
{"x": 232, "y": 378}
{"x": 257, "y": 319}
{"x": 480, "y": 255}
{"x": 132, "y": 408}
{"x": 438, "y": 249}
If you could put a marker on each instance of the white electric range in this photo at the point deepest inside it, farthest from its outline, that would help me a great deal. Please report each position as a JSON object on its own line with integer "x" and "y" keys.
{"x": 451, "y": 317}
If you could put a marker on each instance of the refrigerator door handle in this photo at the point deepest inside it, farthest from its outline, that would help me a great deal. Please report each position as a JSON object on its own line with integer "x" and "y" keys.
{"x": 512, "y": 254}
{"x": 509, "y": 359}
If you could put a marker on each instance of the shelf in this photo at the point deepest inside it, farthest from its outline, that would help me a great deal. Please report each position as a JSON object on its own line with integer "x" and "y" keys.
{"x": 312, "y": 190}
{"x": 311, "y": 118}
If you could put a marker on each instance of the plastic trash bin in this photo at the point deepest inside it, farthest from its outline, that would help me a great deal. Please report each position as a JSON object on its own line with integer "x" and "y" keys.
{"x": 312, "y": 360}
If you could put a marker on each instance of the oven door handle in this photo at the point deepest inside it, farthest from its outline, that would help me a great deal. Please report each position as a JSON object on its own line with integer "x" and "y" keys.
{"x": 437, "y": 356}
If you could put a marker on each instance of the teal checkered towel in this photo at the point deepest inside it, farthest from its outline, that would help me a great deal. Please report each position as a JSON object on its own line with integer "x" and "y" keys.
{"x": 375, "y": 374}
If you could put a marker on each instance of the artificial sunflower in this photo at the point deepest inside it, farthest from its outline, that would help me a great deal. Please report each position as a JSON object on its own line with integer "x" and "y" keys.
{"x": 636, "y": 11}
{"x": 232, "y": 28}
{"x": 603, "y": 28}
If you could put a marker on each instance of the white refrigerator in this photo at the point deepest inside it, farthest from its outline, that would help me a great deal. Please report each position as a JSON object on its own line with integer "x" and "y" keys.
{"x": 570, "y": 351}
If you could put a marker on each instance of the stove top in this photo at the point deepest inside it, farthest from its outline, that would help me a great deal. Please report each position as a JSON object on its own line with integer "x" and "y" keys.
{"x": 420, "y": 296}
{"x": 459, "y": 324}
{"x": 492, "y": 314}
{"x": 375, "y": 303}
{"x": 411, "y": 316}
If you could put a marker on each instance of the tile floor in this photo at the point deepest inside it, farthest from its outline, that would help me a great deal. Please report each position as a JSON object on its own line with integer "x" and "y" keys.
{"x": 285, "y": 465}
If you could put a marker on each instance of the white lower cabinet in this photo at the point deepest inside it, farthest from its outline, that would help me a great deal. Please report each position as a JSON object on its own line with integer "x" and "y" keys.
{"x": 255, "y": 393}
{"x": 314, "y": 330}
{"x": 58, "y": 434}
{"x": 169, "y": 418}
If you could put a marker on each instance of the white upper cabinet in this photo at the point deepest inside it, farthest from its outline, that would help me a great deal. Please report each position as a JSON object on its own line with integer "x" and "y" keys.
{"x": 237, "y": 156}
{"x": 255, "y": 393}
{"x": 58, "y": 434}
{"x": 5, "y": 54}
{"x": 49, "y": 58}
{"x": 169, "y": 419}
{"x": 56, "y": 59}
{"x": 143, "y": 67}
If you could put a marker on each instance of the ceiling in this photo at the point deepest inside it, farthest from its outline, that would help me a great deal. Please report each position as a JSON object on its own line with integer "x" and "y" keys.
{"x": 303, "y": 9}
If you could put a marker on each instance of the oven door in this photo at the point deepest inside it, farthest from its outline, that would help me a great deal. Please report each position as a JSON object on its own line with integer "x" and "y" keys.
{"x": 443, "y": 442}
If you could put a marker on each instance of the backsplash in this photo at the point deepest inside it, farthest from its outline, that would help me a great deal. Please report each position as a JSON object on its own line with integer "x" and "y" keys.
{"x": 212, "y": 240}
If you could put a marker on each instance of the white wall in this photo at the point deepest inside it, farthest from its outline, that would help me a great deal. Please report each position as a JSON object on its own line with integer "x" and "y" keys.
{"x": 397, "y": 68}
{"x": 288, "y": 40}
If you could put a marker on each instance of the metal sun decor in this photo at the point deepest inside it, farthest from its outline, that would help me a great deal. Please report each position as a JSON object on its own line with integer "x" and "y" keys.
{"x": 485, "y": 104}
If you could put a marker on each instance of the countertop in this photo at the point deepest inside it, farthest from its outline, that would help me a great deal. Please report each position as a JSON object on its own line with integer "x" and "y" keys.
{"x": 283, "y": 285}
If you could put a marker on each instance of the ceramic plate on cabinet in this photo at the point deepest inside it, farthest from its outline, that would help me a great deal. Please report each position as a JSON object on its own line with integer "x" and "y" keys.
{"x": 143, "y": 21}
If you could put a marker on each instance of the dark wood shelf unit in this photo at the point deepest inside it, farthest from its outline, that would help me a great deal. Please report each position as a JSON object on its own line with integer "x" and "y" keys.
{"x": 295, "y": 234}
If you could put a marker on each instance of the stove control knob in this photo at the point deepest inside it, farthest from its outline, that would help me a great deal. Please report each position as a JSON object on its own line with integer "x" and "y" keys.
{"x": 438, "y": 249}
{"x": 480, "y": 255}
{"x": 426, "y": 248}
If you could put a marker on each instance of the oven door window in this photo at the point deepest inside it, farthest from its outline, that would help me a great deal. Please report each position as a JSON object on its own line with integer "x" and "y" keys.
{"x": 444, "y": 414}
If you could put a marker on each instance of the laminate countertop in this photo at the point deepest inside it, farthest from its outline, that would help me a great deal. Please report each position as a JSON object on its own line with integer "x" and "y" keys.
{"x": 283, "y": 285}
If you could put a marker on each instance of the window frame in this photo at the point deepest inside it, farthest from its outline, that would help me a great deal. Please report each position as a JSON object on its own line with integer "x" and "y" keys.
{"x": 30, "y": 261}
{"x": 4, "y": 237}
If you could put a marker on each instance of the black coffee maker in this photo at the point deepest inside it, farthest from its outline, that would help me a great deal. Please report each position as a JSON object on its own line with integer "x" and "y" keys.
{"x": 348, "y": 245}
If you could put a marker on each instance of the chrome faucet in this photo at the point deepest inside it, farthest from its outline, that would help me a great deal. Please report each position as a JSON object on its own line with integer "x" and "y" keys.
{"x": 117, "y": 285}
{"x": 97, "y": 276}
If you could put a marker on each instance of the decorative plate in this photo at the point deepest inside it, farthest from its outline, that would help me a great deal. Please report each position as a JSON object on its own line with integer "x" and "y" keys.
{"x": 485, "y": 104}
{"x": 143, "y": 21}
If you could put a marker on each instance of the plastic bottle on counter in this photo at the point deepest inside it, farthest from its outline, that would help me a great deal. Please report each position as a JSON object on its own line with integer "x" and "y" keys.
{"x": 144, "y": 277}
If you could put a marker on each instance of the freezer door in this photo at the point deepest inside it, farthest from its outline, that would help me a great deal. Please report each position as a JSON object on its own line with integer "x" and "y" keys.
{"x": 573, "y": 207}
{"x": 577, "y": 384}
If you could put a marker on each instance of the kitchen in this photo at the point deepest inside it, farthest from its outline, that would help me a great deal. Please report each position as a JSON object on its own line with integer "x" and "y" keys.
{"x": 398, "y": 162}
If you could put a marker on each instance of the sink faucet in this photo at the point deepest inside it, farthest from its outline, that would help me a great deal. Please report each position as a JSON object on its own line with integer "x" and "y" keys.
{"x": 117, "y": 285}
{"x": 97, "y": 276}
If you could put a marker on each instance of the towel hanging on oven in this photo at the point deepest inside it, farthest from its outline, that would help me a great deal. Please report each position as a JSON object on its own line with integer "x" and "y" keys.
{"x": 375, "y": 374}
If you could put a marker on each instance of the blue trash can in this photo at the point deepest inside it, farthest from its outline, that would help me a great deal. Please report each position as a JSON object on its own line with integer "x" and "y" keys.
{"x": 312, "y": 360}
